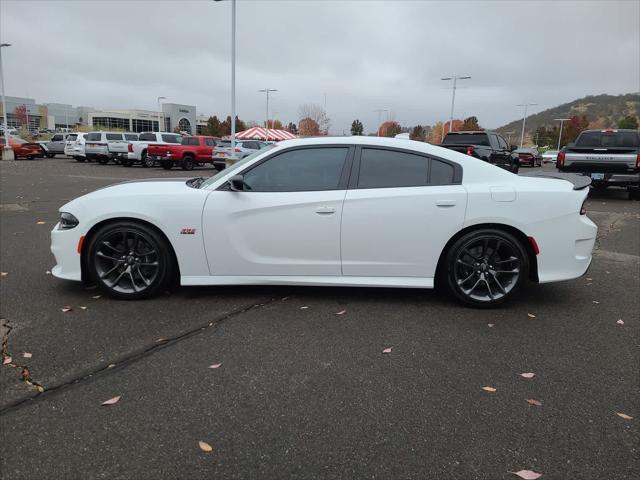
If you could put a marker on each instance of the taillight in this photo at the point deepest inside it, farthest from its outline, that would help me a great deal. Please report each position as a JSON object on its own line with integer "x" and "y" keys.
{"x": 583, "y": 209}
{"x": 560, "y": 160}
{"x": 130, "y": 148}
{"x": 237, "y": 150}
{"x": 638, "y": 161}
{"x": 470, "y": 151}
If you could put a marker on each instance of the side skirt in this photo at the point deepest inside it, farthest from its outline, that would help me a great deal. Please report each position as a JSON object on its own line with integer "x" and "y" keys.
{"x": 321, "y": 281}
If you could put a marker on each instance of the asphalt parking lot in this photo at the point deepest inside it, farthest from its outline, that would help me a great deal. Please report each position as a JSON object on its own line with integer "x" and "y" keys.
{"x": 302, "y": 391}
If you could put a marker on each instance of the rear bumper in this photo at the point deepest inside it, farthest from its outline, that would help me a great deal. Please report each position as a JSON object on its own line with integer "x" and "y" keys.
{"x": 613, "y": 179}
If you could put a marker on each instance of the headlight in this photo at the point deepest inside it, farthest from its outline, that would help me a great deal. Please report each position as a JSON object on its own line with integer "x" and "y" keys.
{"x": 67, "y": 221}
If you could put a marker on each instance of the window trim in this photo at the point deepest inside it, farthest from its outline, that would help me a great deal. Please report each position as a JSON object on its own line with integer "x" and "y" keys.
{"x": 343, "y": 183}
{"x": 355, "y": 177}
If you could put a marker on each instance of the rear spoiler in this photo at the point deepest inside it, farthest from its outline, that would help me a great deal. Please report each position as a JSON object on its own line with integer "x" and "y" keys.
{"x": 579, "y": 181}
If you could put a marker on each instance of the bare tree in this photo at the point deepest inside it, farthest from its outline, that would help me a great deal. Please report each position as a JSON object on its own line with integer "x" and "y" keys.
{"x": 317, "y": 114}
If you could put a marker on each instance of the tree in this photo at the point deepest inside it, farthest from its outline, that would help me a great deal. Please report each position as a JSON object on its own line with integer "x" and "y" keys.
{"x": 471, "y": 124}
{"x": 573, "y": 127}
{"x": 308, "y": 127}
{"x": 628, "y": 122}
{"x": 389, "y": 129}
{"x": 357, "y": 128}
{"x": 274, "y": 124}
{"x": 437, "y": 133}
{"x": 457, "y": 126}
{"x": 292, "y": 128}
{"x": 317, "y": 114}
{"x": 213, "y": 127}
{"x": 21, "y": 112}
{"x": 225, "y": 127}
{"x": 418, "y": 133}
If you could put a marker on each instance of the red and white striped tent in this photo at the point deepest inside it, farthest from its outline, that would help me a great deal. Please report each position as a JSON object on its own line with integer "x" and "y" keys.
{"x": 259, "y": 133}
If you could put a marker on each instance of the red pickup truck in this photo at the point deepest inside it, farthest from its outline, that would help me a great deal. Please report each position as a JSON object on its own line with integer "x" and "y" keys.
{"x": 191, "y": 152}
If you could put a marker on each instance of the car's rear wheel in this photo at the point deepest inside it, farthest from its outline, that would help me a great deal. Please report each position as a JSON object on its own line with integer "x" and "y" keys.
{"x": 187, "y": 163}
{"x": 147, "y": 161}
{"x": 103, "y": 160}
{"x": 129, "y": 260}
{"x": 485, "y": 267}
{"x": 79, "y": 159}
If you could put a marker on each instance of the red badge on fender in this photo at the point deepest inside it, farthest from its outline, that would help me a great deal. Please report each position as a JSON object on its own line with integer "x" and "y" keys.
{"x": 188, "y": 231}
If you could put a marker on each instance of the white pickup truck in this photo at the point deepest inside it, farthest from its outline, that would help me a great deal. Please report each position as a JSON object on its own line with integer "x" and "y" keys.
{"x": 138, "y": 149}
{"x": 106, "y": 146}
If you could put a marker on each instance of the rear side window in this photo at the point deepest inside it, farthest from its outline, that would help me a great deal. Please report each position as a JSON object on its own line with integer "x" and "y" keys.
{"x": 441, "y": 173}
{"x": 190, "y": 141}
{"x": 72, "y": 137}
{"x": 389, "y": 168}
{"x": 305, "y": 169}
{"x": 224, "y": 143}
{"x": 94, "y": 136}
{"x": 171, "y": 138}
{"x": 57, "y": 138}
{"x": 210, "y": 142}
{"x": 502, "y": 143}
{"x": 114, "y": 136}
{"x": 608, "y": 139}
{"x": 467, "y": 139}
{"x": 147, "y": 137}
{"x": 130, "y": 136}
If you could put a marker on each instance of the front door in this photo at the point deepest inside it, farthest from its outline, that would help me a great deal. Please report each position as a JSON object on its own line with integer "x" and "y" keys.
{"x": 286, "y": 220}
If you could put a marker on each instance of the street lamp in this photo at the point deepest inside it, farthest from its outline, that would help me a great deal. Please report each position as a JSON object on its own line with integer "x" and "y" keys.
{"x": 267, "y": 90}
{"x": 380, "y": 111}
{"x": 7, "y": 152}
{"x": 524, "y": 119}
{"x": 233, "y": 73}
{"x": 159, "y": 111}
{"x": 455, "y": 79}
{"x": 561, "y": 120}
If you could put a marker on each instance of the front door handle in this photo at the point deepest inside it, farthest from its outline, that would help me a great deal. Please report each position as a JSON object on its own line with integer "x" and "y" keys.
{"x": 325, "y": 210}
{"x": 445, "y": 203}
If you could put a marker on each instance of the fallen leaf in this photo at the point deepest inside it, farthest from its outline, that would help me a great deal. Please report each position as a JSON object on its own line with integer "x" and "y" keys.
{"x": 48, "y": 272}
{"x": 111, "y": 401}
{"x": 589, "y": 279}
{"x": 162, "y": 339}
{"x": 96, "y": 296}
{"x": 111, "y": 365}
{"x": 531, "y": 315}
{"x": 527, "y": 474}
{"x": 40, "y": 388}
{"x": 303, "y": 308}
{"x": 26, "y": 374}
{"x": 624, "y": 415}
{"x": 607, "y": 272}
{"x": 284, "y": 299}
{"x": 4, "y": 274}
{"x": 6, "y": 360}
{"x": 40, "y": 222}
{"x": 595, "y": 301}
{"x": 66, "y": 309}
{"x": 528, "y": 375}
{"x": 387, "y": 350}
{"x": 215, "y": 365}
{"x": 83, "y": 308}
{"x": 531, "y": 401}
{"x": 489, "y": 389}
{"x": 490, "y": 325}
{"x": 589, "y": 284}
{"x": 27, "y": 355}
{"x": 620, "y": 322}
{"x": 204, "y": 446}
{"x": 341, "y": 312}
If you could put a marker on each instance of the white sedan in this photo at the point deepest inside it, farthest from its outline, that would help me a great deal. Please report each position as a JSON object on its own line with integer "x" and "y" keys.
{"x": 349, "y": 211}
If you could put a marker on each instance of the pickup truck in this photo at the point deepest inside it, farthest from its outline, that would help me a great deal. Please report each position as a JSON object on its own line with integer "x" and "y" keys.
{"x": 137, "y": 150}
{"x": 106, "y": 146}
{"x": 610, "y": 157}
{"x": 191, "y": 152}
{"x": 487, "y": 146}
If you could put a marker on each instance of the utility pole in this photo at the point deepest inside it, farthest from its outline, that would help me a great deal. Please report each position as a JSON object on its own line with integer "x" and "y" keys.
{"x": 266, "y": 123}
{"x": 524, "y": 119}
{"x": 561, "y": 120}
{"x": 379, "y": 112}
{"x": 455, "y": 79}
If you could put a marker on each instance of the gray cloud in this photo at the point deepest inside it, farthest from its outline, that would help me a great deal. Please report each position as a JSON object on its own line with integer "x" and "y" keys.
{"x": 363, "y": 55}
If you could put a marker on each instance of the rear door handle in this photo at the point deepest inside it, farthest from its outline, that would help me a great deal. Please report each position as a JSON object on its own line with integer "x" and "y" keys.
{"x": 445, "y": 203}
{"x": 325, "y": 210}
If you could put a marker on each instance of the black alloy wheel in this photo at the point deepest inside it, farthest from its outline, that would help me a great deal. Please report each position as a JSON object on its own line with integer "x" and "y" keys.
{"x": 187, "y": 163}
{"x": 129, "y": 261}
{"x": 103, "y": 160}
{"x": 147, "y": 161}
{"x": 485, "y": 267}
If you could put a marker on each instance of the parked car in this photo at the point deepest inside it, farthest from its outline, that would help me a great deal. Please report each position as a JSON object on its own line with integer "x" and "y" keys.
{"x": 55, "y": 145}
{"x": 243, "y": 148}
{"x": 528, "y": 156}
{"x": 610, "y": 157}
{"x": 191, "y": 152}
{"x": 487, "y": 146}
{"x": 550, "y": 156}
{"x": 106, "y": 146}
{"x": 21, "y": 148}
{"x": 74, "y": 147}
{"x": 137, "y": 149}
{"x": 316, "y": 211}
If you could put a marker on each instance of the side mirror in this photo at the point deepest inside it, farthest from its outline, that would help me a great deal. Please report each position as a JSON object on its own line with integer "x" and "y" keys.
{"x": 236, "y": 183}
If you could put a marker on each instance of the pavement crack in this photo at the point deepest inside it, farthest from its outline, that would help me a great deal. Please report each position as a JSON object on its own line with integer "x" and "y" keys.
{"x": 25, "y": 373}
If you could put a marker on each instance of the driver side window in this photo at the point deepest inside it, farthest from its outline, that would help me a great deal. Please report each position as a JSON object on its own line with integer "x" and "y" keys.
{"x": 305, "y": 169}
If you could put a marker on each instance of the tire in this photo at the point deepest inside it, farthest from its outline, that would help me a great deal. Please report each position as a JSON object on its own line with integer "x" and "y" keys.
{"x": 126, "y": 162}
{"x": 147, "y": 162}
{"x": 79, "y": 159}
{"x": 50, "y": 155}
{"x": 167, "y": 165}
{"x": 187, "y": 163}
{"x": 515, "y": 168}
{"x": 129, "y": 261}
{"x": 634, "y": 193}
{"x": 471, "y": 268}
{"x": 103, "y": 160}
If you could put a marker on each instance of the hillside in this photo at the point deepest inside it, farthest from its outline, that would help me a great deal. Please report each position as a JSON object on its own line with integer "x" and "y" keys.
{"x": 601, "y": 111}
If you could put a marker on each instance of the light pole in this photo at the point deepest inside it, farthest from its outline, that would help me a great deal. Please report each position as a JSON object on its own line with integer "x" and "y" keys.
{"x": 524, "y": 119}
{"x": 160, "y": 111}
{"x": 267, "y": 90}
{"x": 233, "y": 72}
{"x": 561, "y": 120}
{"x": 7, "y": 151}
{"x": 455, "y": 79}
{"x": 379, "y": 112}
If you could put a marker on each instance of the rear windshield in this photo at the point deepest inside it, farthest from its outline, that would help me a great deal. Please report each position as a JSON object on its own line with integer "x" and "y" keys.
{"x": 147, "y": 137}
{"x": 190, "y": 141}
{"x": 72, "y": 137}
{"x": 171, "y": 138}
{"x": 466, "y": 138}
{"x": 130, "y": 136}
{"x": 94, "y": 137}
{"x": 608, "y": 139}
{"x": 114, "y": 136}
{"x": 224, "y": 143}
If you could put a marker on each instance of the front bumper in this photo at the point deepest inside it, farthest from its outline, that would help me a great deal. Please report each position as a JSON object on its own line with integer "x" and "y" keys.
{"x": 64, "y": 246}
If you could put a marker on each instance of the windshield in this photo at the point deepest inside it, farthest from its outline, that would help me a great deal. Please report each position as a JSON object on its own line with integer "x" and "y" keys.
{"x": 234, "y": 167}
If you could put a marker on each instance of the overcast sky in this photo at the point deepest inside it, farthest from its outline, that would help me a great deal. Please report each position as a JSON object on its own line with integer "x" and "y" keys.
{"x": 364, "y": 55}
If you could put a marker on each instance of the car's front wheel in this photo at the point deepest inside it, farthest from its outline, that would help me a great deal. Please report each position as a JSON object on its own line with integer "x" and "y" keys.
{"x": 485, "y": 267}
{"x": 129, "y": 260}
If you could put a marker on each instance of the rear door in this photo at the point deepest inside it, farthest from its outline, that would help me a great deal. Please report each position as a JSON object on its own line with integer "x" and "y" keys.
{"x": 56, "y": 144}
{"x": 116, "y": 143}
{"x": 399, "y": 212}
